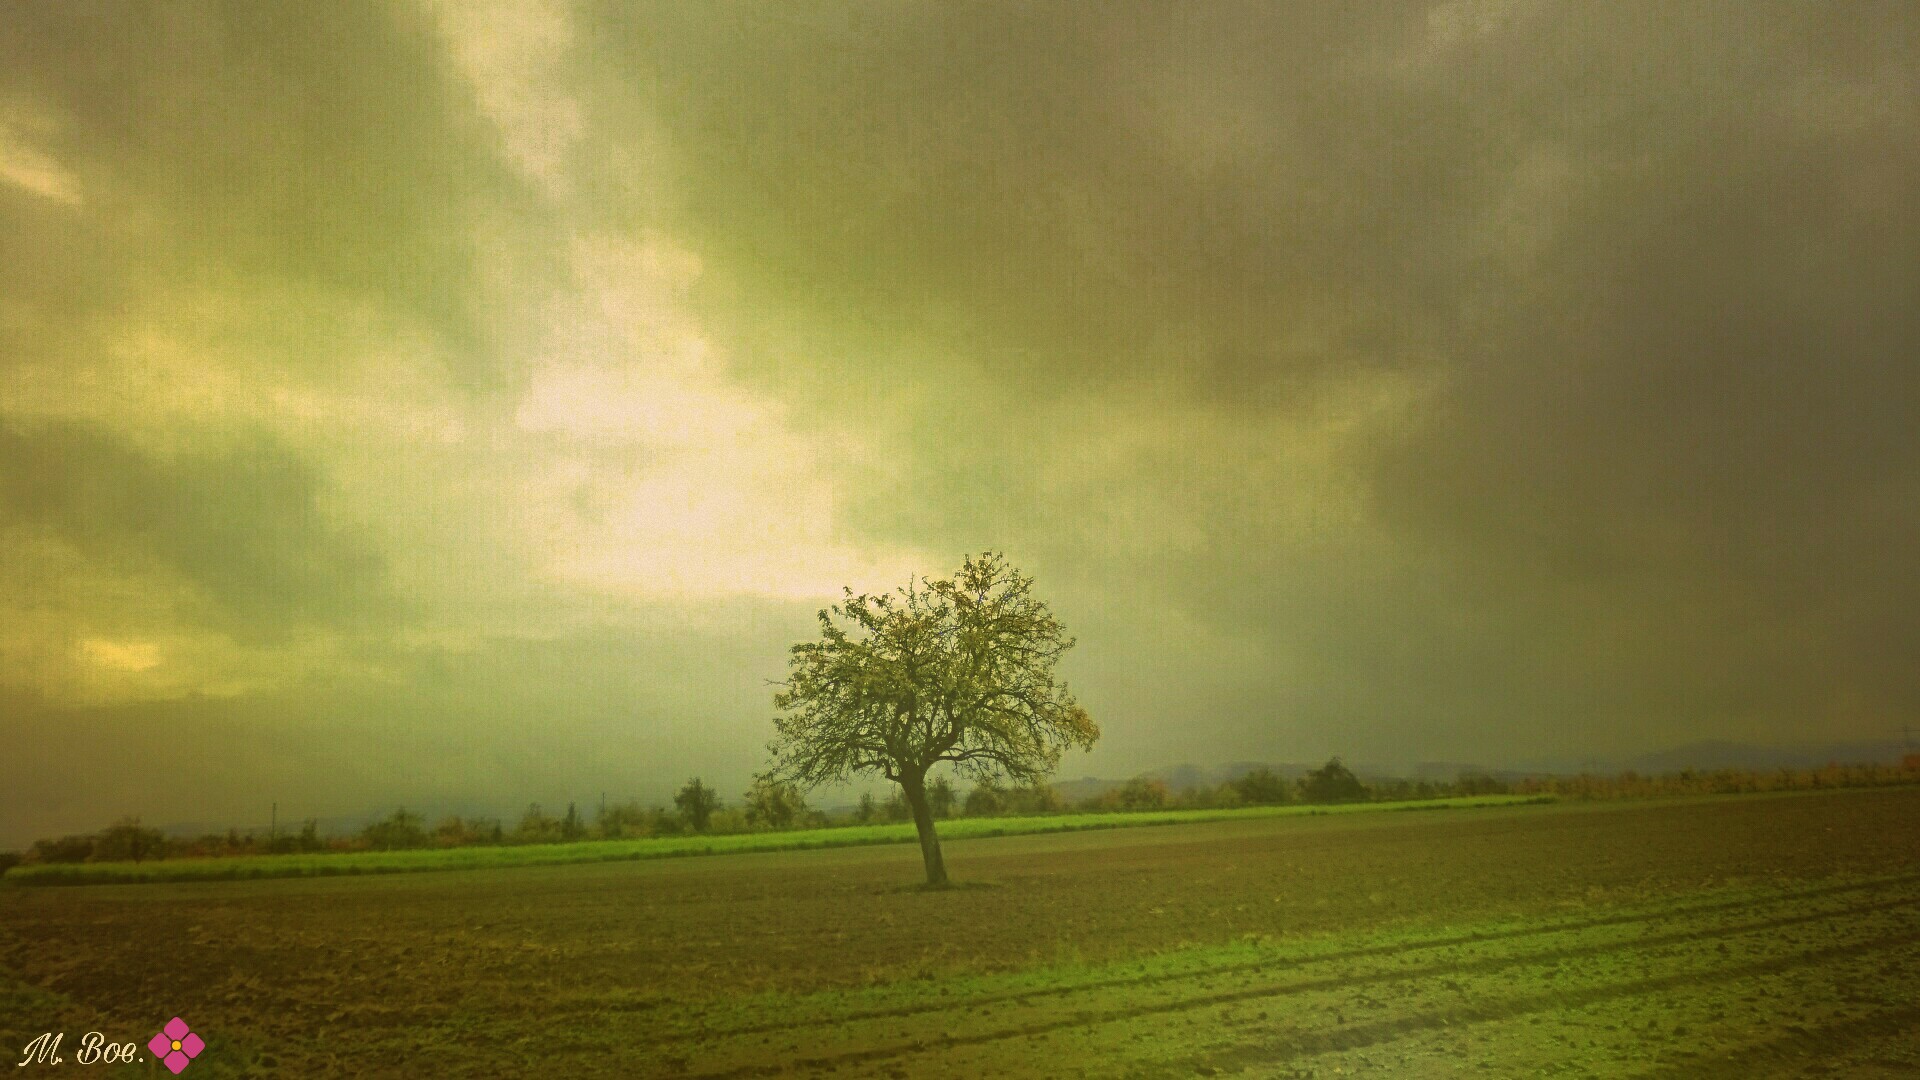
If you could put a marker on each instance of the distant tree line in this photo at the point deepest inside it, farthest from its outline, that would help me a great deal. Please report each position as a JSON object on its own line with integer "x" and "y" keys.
{"x": 698, "y": 808}
{"x": 127, "y": 840}
{"x": 1630, "y": 784}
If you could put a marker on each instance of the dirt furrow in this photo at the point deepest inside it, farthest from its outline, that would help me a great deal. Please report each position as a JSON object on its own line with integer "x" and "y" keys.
{"x": 1274, "y": 964}
{"x": 1094, "y": 1017}
{"x": 1305, "y": 1044}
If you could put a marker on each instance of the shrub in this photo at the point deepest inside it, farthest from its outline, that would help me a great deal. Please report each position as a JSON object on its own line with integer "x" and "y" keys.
{"x": 624, "y": 821}
{"x": 664, "y": 822}
{"x": 1141, "y": 793}
{"x": 400, "y": 830}
{"x": 1035, "y": 798}
{"x": 454, "y": 831}
{"x": 536, "y": 827}
{"x": 573, "y": 826}
{"x": 774, "y": 804}
{"x": 1224, "y": 797}
{"x": 1262, "y": 788}
{"x": 985, "y": 800}
{"x": 67, "y": 849}
{"x": 126, "y": 841}
{"x": 940, "y": 797}
{"x": 1408, "y": 790}
{"x": 1332, "y": 783}
{"x": 1479, "y": 783}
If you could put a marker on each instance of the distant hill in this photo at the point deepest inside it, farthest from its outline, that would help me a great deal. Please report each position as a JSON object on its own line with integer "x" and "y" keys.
{"x": 1721, "y": 754}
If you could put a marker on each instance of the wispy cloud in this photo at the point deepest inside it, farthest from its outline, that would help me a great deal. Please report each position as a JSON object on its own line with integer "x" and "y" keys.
{"x": 31, "y": 169}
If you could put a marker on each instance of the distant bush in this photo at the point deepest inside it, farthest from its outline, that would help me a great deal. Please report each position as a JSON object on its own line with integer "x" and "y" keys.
{"x": 8, "y": 860}
{"x": 1262, "y": 788}
{"x": 1386, "y": 789}
{"x": 455, "y": 831}
{"x": 774, "y": 804}
{"x": 1332, "y": 783}
{"x": 66, "y": 849}
{"x": 628, "y": 821}
{"x": 536, "y": 827}
{"x": 985, "y": 800}
{"x": 306, "y": 840}
{"x": 992, "y": 800}
{"x": 573, "y": 827}
{"x": 1479, "y": 783}
{"x": 126, "y": 841}
{"x": 1035, "y": 798}
{"x": 940, "y": 797}
{"x": 1139, "y": 793}
{"x": 399, "y": 831}
{"x": 1223, "y": 797}
{"x": 216, "y": 845}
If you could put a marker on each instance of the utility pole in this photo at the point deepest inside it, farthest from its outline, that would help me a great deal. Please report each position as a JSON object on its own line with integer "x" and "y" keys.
{"x": 273, "y": 827}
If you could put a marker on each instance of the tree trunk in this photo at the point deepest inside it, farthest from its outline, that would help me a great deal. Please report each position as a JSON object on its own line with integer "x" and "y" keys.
{"x": 915, "y": 789}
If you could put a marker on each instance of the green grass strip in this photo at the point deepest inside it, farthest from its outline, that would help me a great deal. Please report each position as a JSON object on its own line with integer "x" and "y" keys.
{"x": 247, "y": 867}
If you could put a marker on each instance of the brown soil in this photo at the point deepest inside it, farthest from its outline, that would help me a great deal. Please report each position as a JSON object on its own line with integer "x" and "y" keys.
{"x": 515, "y": 970}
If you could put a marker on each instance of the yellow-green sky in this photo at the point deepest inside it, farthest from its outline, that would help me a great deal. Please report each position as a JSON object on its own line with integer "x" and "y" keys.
{"x": 468, "y": 403}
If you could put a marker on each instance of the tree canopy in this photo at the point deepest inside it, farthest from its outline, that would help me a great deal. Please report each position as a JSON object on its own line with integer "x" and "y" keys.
{"x": 957, "y": 672}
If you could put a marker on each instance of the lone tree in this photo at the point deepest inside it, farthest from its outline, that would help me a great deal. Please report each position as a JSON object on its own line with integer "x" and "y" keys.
{"x": 957, "y": 671}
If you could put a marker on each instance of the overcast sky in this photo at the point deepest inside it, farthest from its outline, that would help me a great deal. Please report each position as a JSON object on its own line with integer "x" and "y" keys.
{"x": 470, "y": 403}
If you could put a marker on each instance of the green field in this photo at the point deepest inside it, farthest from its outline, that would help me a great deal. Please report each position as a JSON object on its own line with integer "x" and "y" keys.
{"x": 663, "y": 847}
{"x": 1752, "y": 937}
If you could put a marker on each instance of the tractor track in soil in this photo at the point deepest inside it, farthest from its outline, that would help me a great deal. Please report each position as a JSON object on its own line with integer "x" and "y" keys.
{"x": 1283, "y": 963}
{"x": 1308, "y": 1043}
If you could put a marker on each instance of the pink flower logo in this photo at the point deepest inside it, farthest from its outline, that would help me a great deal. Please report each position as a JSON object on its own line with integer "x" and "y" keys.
{"x": 176, "y": 1045}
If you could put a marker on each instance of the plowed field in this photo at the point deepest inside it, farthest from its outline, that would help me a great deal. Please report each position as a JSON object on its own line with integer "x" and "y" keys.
{"x": 1736, "y": 937}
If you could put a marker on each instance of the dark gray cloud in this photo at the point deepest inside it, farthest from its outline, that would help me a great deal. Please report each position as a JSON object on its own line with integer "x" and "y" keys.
{"x": 244, "y": 523}
{"x": 1654, "y": 263}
